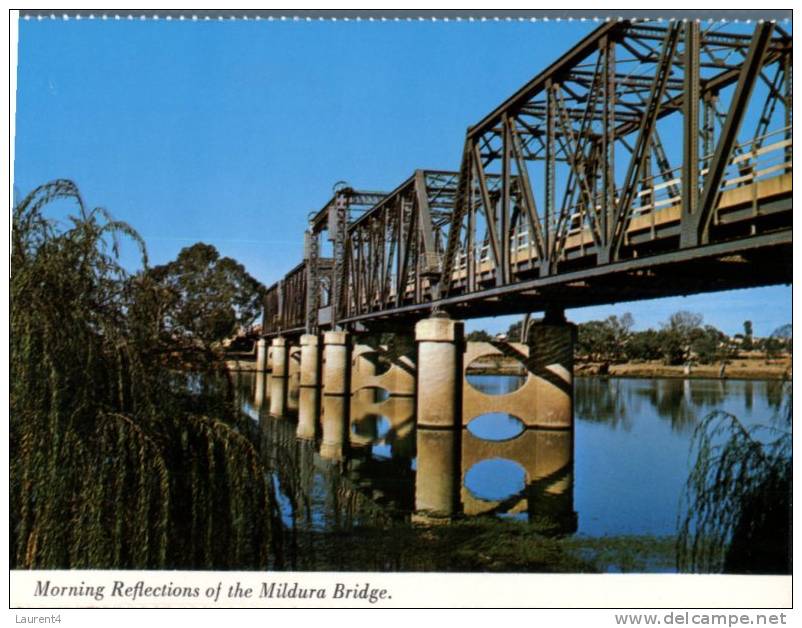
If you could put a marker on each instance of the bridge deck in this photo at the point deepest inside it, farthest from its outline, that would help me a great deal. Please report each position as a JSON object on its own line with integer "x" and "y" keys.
{"x": 737, "y": 263}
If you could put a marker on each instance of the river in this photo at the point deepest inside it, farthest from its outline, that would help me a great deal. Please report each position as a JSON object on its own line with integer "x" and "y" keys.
{"x": 622, "y": 477}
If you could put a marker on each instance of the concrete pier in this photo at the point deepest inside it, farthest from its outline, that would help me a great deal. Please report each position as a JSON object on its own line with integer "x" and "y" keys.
{"x": 259, "y": 392}
{"x": 428, "y": 403}
{"x": 439, "y": 372}
{"x": 545, "y": 397}
{"x": 437, "y": 481}
{"x": 336, "y": 363}
{"x": 278, "y": 379}
{"x": 381, "y": 366}
{"x": 551, "y": 361}
{"x": 309, "y": 387}
{"x": 261, "y": 355}
{"x": 439, "y": 426}
{"x": 364, "y": 389}
{"x": 336, "y": 393}
{"x": 334, "y": 420}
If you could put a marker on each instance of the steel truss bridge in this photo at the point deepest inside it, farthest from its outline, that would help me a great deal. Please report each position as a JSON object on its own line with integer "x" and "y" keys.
{"x": 647, "y": 161}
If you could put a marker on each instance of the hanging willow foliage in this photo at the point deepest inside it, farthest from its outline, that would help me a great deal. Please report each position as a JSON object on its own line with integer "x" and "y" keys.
{"x": 112, "y": 466}
{"x": 737, "y": 511}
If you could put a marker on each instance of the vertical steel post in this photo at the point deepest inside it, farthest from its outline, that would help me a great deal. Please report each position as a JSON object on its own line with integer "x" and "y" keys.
{"x": 470, "y": 249}
{"x": 401, "y": 260}
{"x": 690, "y": 136}
{"x": 281, "y": 305}
{"x": 548, "y": 205}
{"x": 312, "y": 254}
{"x": 608, "y": 147}
{"x": 504, "y": 214}
{"x": 788, "y": 70}
{"x": 709, "y": 129}
{"x": 338, "y": 277}
{"x": 747, "y": 78}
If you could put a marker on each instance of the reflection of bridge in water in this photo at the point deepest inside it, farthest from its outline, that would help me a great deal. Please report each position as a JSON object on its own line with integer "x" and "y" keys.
{"x": 647, "y": 161}
{"x": 403, "y": 466}
{"x": 373, "y": 399}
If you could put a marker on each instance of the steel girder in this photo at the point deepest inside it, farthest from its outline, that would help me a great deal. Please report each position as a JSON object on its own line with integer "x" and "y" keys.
{"x": 640, "y": 141}
{"x": 587, "y": 131}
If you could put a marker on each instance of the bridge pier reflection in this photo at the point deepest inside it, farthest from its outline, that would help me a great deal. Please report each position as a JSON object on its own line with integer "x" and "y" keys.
{"x": 261, "y": 355}
{"x": 259, "y": 389}
{"x": 383, "y": 393}
{"x": 440, "y": 343}
{"x": 438, "y": 478}
{"x": 309, "y": 387}
{"x": 546, "y": 458}
{"x": 278, "y": 377}
{"x": 410, "y": 402}
{"x": 363, "y": 418}
{"x": 336, "y": 393}
{"x": 709, "y": 211}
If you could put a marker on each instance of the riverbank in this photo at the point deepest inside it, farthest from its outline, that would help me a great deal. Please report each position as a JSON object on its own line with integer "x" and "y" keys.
{"x": 480, "y": 544}
{"x": 749, "y": 367}
{"x": 752, "y": 367}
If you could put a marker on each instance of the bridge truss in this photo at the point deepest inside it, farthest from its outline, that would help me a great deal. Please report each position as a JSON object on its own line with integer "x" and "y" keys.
{"x": 646, "y": 161}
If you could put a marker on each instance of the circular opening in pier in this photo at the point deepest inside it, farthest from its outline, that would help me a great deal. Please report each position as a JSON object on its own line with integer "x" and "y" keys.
{"x": 495, "y": 374}
{"x": 496, "y": 426}
{"x": 495, "y": 479}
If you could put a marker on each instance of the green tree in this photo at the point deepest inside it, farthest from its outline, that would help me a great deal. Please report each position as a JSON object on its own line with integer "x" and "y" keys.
{"x": 677, "y": 334}
{"x": 708, "y": 343}
{"x": 113, "y": 464}
{"x": 514, "y": 331}
{"x": 737, "y": 514}
{"x": 644, "y": 345}
{"x": 200, "y": 299}
{"x": 748, "y": 344}
{"x": 591, "y": 340}
{"x": 785, "y": 334}
{"x": 479, "y": 335}
{"x": 620, "y": 332}
{"x": 780, "y": 340}
{"x": 605, "y": 340}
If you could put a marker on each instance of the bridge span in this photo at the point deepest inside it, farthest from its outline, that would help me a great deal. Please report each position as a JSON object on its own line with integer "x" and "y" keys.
{"x": 647, "y": 161}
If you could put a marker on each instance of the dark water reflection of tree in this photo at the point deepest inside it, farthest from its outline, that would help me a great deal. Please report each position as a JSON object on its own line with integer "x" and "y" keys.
{"x": 602, "y": 400}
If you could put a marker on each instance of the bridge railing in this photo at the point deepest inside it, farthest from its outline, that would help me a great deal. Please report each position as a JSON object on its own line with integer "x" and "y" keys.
{"x": 756, "y": 160}
{"x": 658, "y": 202}
{"x": 760, "y": 159}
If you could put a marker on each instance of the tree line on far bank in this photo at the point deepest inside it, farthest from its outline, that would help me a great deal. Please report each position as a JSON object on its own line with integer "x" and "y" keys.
{"x": 682, "y": 338}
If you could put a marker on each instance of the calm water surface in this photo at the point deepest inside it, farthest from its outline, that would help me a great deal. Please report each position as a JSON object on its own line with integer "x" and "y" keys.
{"x": 630, "y": 457}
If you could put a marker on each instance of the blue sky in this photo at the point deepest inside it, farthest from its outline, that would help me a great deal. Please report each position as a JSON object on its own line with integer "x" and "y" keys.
{"x": 231, "y": 133}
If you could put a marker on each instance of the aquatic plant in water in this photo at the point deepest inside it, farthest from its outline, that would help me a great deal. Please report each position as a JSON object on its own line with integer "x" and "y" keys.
{"x": 737, "y": 511}
{"x": 112, "y": 466}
